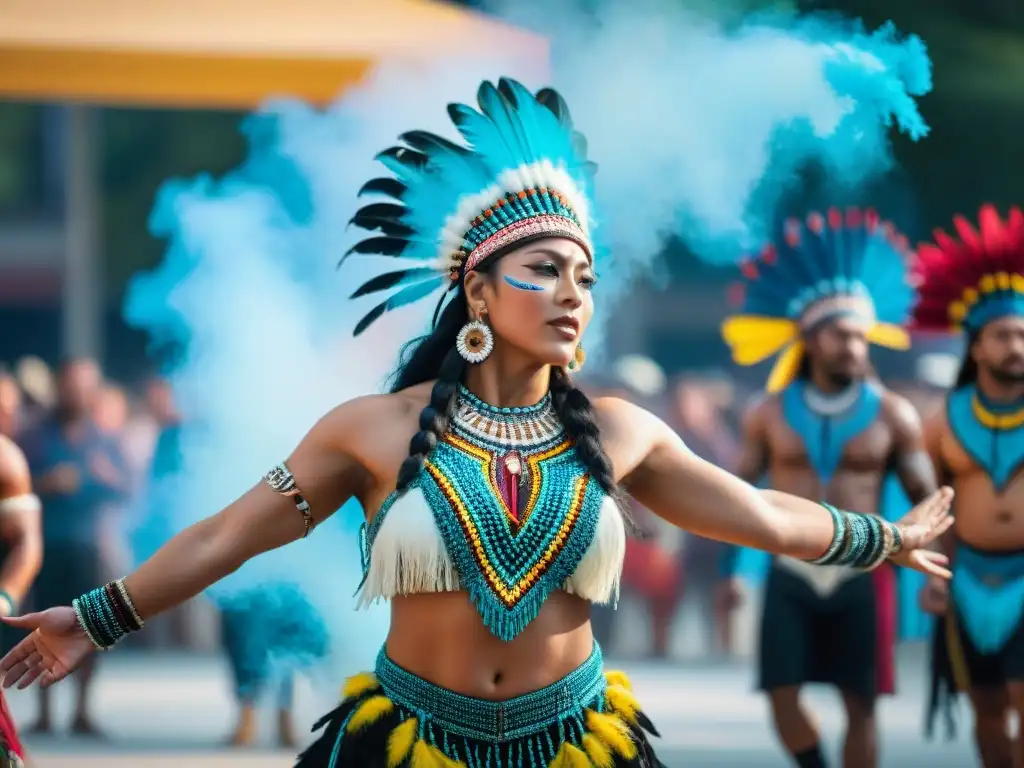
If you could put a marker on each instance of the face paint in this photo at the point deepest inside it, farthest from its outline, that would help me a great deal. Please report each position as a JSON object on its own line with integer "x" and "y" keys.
{"x": 521, "y": 285}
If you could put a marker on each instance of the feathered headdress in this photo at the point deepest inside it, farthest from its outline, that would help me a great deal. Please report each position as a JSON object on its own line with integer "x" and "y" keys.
{"x": 969, "y": 282}
{"x": 838, "y": 264}
{"x": 523, "y": 175}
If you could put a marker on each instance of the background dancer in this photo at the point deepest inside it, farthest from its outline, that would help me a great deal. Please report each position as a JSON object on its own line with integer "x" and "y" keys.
{"x": 828, "y": 429}
{"x": 21, "y": 556}
{"x": 974, "y": 282}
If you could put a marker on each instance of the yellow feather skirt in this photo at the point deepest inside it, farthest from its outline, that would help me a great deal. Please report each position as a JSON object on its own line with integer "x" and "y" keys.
{"x": 370, "y": 730}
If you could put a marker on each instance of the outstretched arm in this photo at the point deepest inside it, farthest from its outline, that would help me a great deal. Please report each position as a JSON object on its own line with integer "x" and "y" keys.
{"x": 695, "y": 495}
{"x": 325, "y": 471}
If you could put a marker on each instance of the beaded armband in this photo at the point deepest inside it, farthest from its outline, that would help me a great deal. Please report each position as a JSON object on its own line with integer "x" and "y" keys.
{"x": 860, "y": 541}
{"x": 282, "y": 481}
{"x": 107, "y": 614}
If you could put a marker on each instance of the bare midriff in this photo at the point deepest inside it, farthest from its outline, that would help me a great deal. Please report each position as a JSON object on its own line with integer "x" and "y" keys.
{"x": 985, "y": 518}
{"x": 441, "y": 638}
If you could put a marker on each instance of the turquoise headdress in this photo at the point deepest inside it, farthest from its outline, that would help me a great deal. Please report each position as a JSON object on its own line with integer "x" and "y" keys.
{"x": 522, "y": 175}
{"x": 828, "y": 266}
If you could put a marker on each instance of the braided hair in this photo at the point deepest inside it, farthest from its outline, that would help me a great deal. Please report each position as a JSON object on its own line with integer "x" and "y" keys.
{"x": 434, "y": 356}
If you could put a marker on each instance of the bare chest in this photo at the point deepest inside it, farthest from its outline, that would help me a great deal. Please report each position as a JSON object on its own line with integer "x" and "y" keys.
{"x": 830, "y": 452}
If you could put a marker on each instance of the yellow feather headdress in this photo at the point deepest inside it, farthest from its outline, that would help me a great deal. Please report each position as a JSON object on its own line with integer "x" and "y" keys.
{"x": 824, "y": 267}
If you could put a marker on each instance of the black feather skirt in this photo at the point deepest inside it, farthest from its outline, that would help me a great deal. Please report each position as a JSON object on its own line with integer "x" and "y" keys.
{"x": 394, "y": 719}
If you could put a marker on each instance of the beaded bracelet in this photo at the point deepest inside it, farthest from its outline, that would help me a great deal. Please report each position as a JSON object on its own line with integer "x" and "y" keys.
{"x": 107, "y": 614}
{"x": 12, "y": 604}
{"x": 860, "y": 541}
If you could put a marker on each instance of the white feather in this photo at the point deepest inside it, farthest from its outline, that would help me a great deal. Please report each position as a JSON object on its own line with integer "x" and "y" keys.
{"x": 598, "y": 575}
{"x": 409, "y": 556}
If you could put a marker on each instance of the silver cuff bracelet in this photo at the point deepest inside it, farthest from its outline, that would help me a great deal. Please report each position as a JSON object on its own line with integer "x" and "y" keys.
{"x": 282, "y": 481}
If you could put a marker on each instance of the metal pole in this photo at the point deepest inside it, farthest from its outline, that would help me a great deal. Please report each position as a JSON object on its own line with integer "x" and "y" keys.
{"x": 81, "y": 281}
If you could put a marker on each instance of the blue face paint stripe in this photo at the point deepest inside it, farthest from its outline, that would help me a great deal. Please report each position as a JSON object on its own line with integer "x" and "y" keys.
{"x": 521, "y": 285}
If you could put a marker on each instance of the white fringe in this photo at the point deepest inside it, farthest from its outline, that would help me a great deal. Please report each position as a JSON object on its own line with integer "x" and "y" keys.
{"x": 599, "y": 574}
{"x": 409, "y": 556}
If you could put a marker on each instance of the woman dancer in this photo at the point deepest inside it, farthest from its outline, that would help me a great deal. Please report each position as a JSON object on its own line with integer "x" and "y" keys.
{"x": 497, "y": 526}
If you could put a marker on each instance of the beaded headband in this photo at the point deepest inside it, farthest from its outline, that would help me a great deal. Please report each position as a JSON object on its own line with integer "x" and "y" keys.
{"x": 845, "y": 264}
{"x": 523, "y": 175}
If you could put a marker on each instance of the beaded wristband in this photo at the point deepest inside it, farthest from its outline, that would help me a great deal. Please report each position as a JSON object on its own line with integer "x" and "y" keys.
{"x": 107, "y": 614}
{"x": 282, "y": 481}
{"x": 860, "y": 541}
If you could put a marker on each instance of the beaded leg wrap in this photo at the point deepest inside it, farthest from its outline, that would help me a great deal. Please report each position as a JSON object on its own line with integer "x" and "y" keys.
{"x": 394, "y": 719}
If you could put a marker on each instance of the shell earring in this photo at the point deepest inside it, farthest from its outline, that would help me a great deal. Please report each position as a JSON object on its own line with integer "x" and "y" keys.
{"x": 578, "y": 359}
{"x": 475, "y": 341}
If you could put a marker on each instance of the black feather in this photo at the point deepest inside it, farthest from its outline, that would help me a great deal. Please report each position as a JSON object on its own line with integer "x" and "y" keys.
{"x": 553, "y": 101}
{"x": 458, "y": 113}
{"x": 388, "y": 280}
{"x": 376, "y": 246}
{"x": 505, "y": 89}
{"x": 387, "y": 217}
{"x": 407, "y": 157}
{"x": 645, "y": 722}
{"x": 368, "y": 320}
{"x": 407, "y": 295}
{"x": 486, "y": 89}
{"x": 424, "y": 141}
{"x": 390, "y": 187}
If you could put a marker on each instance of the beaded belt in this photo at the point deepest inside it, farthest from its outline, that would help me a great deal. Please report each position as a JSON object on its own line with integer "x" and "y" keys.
{"x": 498, "y": 721}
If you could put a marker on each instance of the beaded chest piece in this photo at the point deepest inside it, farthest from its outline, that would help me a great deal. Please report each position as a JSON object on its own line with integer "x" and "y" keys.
{"x": 991, "y": 434}
{"x": 504, "y": 509}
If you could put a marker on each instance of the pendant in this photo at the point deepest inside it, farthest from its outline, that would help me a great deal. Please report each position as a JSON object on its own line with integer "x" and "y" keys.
{"x": 513, "y": 464}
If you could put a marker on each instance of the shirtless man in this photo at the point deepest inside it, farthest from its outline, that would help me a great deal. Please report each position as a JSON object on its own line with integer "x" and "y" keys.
{"x": 21, "y": 545}
{"x": 827, "y": 430}
{"x": 977, "y": 443}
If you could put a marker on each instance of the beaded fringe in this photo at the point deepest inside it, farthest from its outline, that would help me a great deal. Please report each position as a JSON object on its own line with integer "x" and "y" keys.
{"x": 368, "y": 730}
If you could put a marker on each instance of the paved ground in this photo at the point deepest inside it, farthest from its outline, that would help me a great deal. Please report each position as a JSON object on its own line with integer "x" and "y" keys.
{"x": 172, "y": 711}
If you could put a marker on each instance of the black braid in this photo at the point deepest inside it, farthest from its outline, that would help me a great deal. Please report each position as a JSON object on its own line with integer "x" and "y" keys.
{"x": 422, "y": 365}
{"x": 576, "y": 413}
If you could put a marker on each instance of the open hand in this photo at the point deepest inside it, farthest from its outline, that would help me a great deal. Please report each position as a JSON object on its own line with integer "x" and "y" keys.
{"x": 920, "y": 528}
{"x": 57, "y": 645}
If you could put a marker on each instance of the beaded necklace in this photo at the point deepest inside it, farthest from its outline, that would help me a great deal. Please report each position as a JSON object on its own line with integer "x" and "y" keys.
{"x": 510, "y": 435}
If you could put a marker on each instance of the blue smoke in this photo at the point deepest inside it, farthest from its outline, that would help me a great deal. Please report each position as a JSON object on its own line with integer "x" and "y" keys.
{"x": 693, "y": 125}
{"x": 699, "y": 128}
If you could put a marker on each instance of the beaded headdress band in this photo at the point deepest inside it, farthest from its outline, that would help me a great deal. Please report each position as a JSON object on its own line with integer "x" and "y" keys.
{"x": 844, "y": 264}
{"x": 968, "y": 282}
{"x": 523, "y": 175}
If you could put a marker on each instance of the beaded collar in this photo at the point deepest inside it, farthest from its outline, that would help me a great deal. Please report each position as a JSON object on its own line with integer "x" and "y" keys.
{"x": 528, "y": 428}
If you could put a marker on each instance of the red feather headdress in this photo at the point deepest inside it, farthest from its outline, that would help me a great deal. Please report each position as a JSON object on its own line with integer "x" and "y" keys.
{"x": 967, "y": 281}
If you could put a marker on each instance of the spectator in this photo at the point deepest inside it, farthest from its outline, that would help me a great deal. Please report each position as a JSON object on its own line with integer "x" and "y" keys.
{"x": 78, "y": 472}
